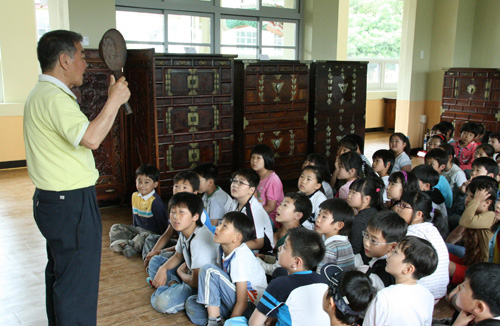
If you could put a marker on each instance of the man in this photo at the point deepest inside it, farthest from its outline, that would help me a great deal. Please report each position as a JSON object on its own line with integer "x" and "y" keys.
{"x": 59, "y": 139}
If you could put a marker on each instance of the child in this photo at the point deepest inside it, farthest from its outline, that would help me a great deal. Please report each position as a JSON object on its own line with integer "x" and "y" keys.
{"x": 348, "y": 143}
{"x": 450, "y": 131}
{"x": 347, "y": 297}
{"x": 365, "y": 197}
{"x": 436, "y": 141}
{"x": 400, "y": 146}
{"x": 439, "y": 129}
{"x": 479, "y": 295}
{"x": 494, "y": 140}
{"x": 484, "y": 150}
{"x": 384, "y": 230}
{"x": 416, "y": 209}
{"x": 475, "y": 227}
{"x": 149, "y": 214}
{"x": 483, "y": 166}
{"x": 334, "y": 223}
{"x": 437, "y": 158}
{"x": 465, "y": 147}
{"x": 270, "y": 189}
{"x": 321, "y": 163}
{"x": 399, "y": 182}
{"x": 184, "y": 181}
{"x": 292, "y": 212}
{"x": 195, "y": 248}
{"x": 407, "y": 302}
{"x": 494, "y": 246}
{"x": 383, "y": 161}
{"x": 310, "y": 185}
{"x": 295, "y": 299}
{"x": 215, "y": 199}
{"x": 428, "y": 178}
{"x": 352, "y": 167}
{"x": 456, "y": 178}
{"x": 235, "y": 285}
{"x": 244, "y": 183}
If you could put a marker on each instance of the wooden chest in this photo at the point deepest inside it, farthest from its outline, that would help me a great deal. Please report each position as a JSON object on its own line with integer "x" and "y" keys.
{"x": 111, "y": 156}
{"x": 187, "y": 113}
{"x": 271, "y": 107}
{"x": 338, "y": 105}
{"x": 471, "y": 94}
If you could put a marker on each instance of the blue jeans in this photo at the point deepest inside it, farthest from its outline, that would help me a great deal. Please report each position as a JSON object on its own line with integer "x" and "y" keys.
{"x": 215, "y": 289}
{"x": 456, "y": 250}
{"x": 168, "y": 299}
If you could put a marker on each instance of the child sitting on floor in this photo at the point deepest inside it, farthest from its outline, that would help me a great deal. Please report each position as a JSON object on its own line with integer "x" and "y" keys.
{"x": 400, "y": 146}
{"x": 310, "y": 185}
{"x": 235, "y": 285}
{"x": 383, "y": 161}
{"x": 321, "y": 163}
{"x": 407, "y": 302}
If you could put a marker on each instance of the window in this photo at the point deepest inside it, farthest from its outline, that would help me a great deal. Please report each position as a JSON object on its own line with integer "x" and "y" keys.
{"x": 246, "y": 28}
{"x": 42, "y": 17}
{"x": 374, "y": 35}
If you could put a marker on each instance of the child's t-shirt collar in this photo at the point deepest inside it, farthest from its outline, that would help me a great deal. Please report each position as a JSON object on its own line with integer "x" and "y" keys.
{"x": 146, "y": 197}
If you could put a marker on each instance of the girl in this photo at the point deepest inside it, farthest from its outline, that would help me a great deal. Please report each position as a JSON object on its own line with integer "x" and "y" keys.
{"x": 351, "y": 167}
{"x": 366, "y": 198}
{"x": 428, "y": 178}
{"x": 436, "y": 141}
{"x": 416, "y": 209}
{"x": 310, "y": 185}
{"x": 321, "y": 163}
{"x": 270, "y": 189}
{"x": 347, "y": 297}
{"x": 400, "y": 182}
{"x": 400, "y": 146}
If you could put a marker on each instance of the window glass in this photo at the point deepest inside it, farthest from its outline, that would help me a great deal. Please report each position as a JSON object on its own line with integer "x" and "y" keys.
{"x": 158, "y": 47}
{"x": 373, "y": 73}
{"x": 278, "y": 33}
{"x": 190, "y": 29}
{"x": 240, "y": 4}
{"x": 279, "y": 53}
{"x": 289, "y": 4}
{"x": 181, "y": 48}
{"x": 391, "y": 72}
{"x": 238, "y": 32}
{"x": 42, "y": 17}
{"x": 140, "y": 26}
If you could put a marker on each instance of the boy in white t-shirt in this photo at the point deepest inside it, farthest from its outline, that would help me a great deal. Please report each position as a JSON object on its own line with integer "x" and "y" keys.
{"x": 406, "y": 302}
{"x": 235, "y": 285}
{"x": 383, "y": 161}
{"x": 244, "y": 182}
{"x": 176, "y": 278}
{"x": 216, "y": 200}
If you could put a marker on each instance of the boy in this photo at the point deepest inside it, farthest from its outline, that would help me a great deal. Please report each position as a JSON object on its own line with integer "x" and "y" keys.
{"x": 465, "y": 147}
{"x": 406, "y": 302}
{"x": 384, "y": 230}
{"x": 494, "y": 140}
{"x": 234, "y": 286}
{"x": 184, "y": 181}
{"x": 149, "y": 215}
{"x": 456, "y": 178}
{"x": 215, "y": 199}
{"x": 296, "y": 299}
{"x": 291, "y": 213}
{"x": 383, "y": 161}
{"x": 438, "y": 159}
{"x": 334, "y": 223}
{"x": 244, "y": 182}
{"x": 479, "y": 295}
{"x": 474, "y": 229}
{"x": 195, "y": 248}
{"x": 484, "y": 150}
{"x": 482, "y": 166}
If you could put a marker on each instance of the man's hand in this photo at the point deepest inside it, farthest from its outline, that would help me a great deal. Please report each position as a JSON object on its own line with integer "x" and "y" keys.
{"x": 118, "y": 91}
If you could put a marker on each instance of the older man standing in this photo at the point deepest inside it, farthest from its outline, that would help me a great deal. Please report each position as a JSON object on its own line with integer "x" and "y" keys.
{"x": 59, "y": 140}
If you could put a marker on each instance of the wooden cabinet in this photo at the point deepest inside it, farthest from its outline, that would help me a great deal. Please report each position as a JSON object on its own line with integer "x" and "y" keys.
{"x": 338, "y": 104}
{"x": 471, "y": 94}
{"x": 111, "y": 156}
{"x": 184, "y": 106}
{"x": 271, "y": 101}
{"x": 389, "y": 113}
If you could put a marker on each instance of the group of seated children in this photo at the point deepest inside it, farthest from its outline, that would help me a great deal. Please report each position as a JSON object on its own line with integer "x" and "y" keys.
{"x": 374, "y": 243}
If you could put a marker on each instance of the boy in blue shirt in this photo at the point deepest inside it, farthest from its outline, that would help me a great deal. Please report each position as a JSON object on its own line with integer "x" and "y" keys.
{"x": 438, "y": 159}
{"x": 296, "y": 299}
{"x": 148, "y": 214}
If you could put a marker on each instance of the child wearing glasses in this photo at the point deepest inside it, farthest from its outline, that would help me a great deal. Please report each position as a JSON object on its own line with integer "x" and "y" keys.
{"x": 244, "y": 183}
{"x": 384, "y": 230}
{"x": 407, "y": 302}
{"x": 415, "y": 208}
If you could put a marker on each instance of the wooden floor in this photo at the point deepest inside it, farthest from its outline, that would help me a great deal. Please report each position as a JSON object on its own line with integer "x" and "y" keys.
{"x": 123, "y": 293}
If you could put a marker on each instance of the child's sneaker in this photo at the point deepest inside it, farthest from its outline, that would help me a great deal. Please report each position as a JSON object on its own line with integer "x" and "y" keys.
{"x": 118, "y": 245}
{"x": 215, "y": 321}
{"x": 149, "y": 280}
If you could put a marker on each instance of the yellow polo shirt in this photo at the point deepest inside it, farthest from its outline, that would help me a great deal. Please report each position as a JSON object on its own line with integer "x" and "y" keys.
{"x": 54, "y": 125}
